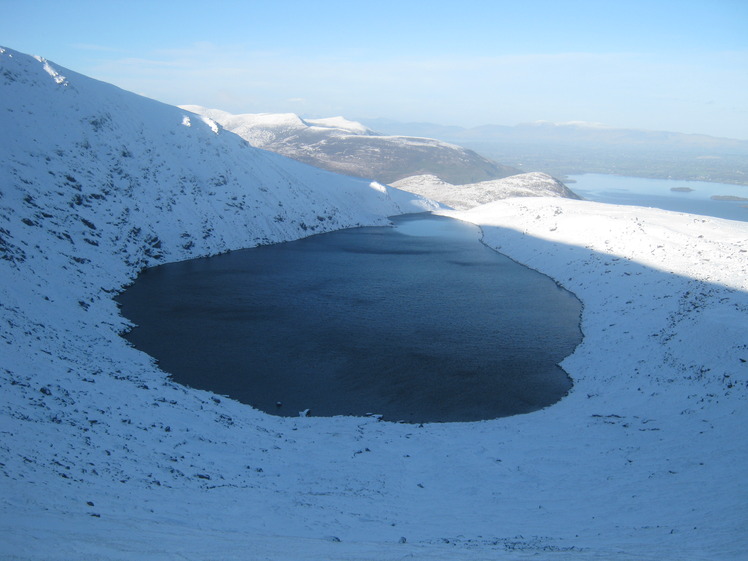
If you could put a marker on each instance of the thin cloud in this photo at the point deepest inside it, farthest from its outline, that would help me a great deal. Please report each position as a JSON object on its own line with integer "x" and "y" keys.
{"x": 645, "y": 90}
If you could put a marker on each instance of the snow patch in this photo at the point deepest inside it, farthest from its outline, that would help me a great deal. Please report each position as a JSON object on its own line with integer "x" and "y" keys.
{"x": 56, "y": 76}
{"x": 211, "y": 124}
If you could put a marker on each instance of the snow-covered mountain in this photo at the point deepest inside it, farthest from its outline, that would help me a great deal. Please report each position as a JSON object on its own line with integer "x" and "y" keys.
{"x": 463, "y": 197}
{"x": 149, "y": 180}
{"x": 348, "y": 147}
{"x": 103, "y": 457}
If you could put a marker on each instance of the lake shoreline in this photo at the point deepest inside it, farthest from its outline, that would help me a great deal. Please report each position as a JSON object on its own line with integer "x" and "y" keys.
{"x": 378, "y": 267}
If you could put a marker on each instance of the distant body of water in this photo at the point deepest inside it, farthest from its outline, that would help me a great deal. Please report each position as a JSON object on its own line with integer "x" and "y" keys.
{"x": 418, "y": 322}
{"x": 694, "y": 197}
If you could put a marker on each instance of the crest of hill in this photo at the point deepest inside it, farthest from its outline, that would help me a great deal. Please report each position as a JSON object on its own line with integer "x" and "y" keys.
{"x": 348, "y": 147}
{"x": 262, "y": 129}
{"x": 342, "y": 124}
{"x": 463, "y": 197}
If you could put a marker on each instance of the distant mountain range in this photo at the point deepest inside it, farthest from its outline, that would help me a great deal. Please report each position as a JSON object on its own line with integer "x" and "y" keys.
{"x": 572, "y": 132}
{"x": 571, "y": 148}
{"x": 337, "y": 144}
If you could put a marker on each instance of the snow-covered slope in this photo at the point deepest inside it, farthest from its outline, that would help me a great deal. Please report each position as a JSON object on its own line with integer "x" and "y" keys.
{"x": 97, "y": 178}
{"x": 103, "y": 458}
{"x": 344, "y": 146}
{"x": 463, "y": 197}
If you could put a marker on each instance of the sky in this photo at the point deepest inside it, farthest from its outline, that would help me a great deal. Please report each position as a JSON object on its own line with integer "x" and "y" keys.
{"x": 656, "y": 64}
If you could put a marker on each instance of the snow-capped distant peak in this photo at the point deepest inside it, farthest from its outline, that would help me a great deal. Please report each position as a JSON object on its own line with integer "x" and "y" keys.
{"x": 353, "y": 127}
{"x": 285, "y": 120}
{"x": 200, "y": 110}
{"x": 345, "y": 146}
{"x": 277, "y": 119}
{"x": 259, "y": 129}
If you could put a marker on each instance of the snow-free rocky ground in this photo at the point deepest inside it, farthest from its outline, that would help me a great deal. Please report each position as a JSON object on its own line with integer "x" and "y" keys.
{"x": 103, "y": 458}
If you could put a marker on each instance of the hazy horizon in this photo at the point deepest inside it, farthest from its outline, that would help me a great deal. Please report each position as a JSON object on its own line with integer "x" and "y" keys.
{"x": 674, "y": 66}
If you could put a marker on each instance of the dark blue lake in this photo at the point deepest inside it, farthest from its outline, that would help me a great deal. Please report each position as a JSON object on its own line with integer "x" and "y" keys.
{"x": 418, "y": 322}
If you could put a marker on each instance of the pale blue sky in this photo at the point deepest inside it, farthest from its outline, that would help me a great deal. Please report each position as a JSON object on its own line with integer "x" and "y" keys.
{"x": 663, "y": 65}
